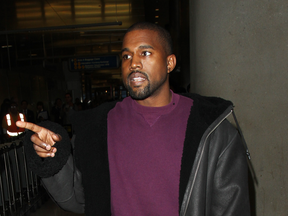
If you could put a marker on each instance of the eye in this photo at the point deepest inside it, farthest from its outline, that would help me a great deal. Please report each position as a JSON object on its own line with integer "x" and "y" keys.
{"x": 125, "y": 57}
{"x": 146, "y": 53}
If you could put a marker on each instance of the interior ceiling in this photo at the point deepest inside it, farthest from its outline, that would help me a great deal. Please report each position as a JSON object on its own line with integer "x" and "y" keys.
{"x": 52, "y": 31}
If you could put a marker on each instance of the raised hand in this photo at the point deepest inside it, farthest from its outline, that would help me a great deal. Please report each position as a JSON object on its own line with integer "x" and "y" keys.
{"x": 43, "y": 139}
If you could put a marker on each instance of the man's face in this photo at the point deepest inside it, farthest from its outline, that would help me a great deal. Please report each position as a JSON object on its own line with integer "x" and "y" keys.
{"x": 144, "y": 64}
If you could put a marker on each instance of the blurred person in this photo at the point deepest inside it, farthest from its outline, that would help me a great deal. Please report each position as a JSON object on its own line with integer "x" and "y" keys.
{"x": 27, "y": 112}
{"x": 5, "y": 106}
{"x": 77, "y": 100}
{"x": 79, "y": 106}
{"x": 42, "y": 114}
{"x": 69, "y": 108}
{"x": 58, "y": 112}
{"x": 10, "y": 129}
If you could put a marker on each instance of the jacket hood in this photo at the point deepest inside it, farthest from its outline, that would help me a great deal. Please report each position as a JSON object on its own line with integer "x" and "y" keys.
{"x": 210, "y": 108}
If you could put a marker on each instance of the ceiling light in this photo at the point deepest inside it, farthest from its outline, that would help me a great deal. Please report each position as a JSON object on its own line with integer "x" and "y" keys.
{"x": 54, "y": 28}
{"x": 9, "y": 46}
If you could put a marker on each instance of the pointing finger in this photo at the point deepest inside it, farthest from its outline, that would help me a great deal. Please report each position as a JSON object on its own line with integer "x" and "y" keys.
{"x": 30, "y": 126}
{"x": 45, "y": 135}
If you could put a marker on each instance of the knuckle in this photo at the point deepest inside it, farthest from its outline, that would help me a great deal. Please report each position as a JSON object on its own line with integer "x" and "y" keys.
{"x": 32, "y": 126}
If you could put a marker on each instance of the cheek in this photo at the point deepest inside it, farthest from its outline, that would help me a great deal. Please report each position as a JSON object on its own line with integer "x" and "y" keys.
{"x": 124, "y": 76}
{"x": 157, "y": 69}
{"x": 124, "y": 70}
{"x": 151, "y": 65}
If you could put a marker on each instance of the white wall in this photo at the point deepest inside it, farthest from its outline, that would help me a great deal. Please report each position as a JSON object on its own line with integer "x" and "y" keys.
{"x": 241, "y": 54}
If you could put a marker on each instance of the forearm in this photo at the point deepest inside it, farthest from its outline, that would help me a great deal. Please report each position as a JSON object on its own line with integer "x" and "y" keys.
{"x": 58, "y": 174}
{"x": 65, "y": 188}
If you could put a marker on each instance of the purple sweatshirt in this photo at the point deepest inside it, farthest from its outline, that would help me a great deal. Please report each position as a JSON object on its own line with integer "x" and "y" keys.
{"x": 145, "y": 148}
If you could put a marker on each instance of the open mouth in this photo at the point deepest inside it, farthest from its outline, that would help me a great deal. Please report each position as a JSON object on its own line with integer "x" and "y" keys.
{"x": 137, "y": 78}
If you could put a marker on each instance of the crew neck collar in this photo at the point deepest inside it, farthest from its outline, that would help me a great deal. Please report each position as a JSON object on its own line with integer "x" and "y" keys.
{"x": 163, "y": 110}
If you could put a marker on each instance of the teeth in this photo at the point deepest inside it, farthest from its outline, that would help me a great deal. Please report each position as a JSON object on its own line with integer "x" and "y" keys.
{"x": 137, "y": 79}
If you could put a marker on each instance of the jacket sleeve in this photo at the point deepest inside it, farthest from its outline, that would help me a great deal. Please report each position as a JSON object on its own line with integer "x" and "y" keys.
{"x": 230, "y": 195}
{"x": 59, "y": 175}
{"x": 65, "y": 188}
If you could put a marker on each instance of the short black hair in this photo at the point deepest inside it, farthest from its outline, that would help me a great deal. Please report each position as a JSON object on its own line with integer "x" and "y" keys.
{"x": 163, "y": 34}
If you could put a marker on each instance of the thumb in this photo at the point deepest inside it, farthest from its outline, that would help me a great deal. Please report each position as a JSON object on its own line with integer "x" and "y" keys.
{"x": 56, "y": 137}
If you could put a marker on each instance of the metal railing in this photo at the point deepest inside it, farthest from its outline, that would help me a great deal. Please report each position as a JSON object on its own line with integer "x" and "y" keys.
{"x": 20, "y": 189}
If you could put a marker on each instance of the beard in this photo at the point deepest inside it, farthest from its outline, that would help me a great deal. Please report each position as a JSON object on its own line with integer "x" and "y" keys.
{"x": 141, "y": 93}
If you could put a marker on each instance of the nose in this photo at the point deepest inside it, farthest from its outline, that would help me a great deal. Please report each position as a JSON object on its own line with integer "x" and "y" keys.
{"x": 135, "y": 63}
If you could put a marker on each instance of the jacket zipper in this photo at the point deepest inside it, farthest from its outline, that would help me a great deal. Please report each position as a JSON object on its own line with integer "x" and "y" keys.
{"x": 200, "y": 159}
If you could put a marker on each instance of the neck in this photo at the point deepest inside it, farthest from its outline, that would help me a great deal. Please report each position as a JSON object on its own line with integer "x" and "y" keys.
{"x": 157, "y": 99}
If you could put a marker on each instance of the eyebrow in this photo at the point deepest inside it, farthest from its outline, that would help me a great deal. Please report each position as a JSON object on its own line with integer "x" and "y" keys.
{"x": 123, "y": 50}
{"x": 145, "y": 47}
{"x": 140, "y": 47}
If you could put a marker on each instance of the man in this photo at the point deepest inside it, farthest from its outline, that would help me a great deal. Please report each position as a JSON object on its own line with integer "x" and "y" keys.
{"x": 9, "y": 121}
{"x": 58, "y": 112}
{"x": 68, "y": 108}
{"x": 29, "y": 114}
{"x": 154, "y": 153}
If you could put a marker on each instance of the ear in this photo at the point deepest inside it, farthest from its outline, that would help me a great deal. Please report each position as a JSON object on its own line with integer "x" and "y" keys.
{"x": 171, "y": 63}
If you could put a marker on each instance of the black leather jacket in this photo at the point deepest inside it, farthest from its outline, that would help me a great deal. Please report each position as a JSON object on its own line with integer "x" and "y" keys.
{"x": 213, "y": 178}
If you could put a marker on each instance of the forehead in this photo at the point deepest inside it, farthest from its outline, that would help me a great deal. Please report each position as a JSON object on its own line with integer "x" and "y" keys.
{"x": 137, "y": 38}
